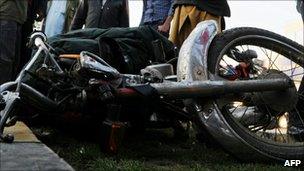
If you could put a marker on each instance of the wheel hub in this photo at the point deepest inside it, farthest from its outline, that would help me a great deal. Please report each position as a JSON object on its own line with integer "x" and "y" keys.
{"x": 276, "y": 102}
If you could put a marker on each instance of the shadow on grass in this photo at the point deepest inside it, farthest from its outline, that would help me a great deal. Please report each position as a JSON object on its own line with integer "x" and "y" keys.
{"x": 153, "y": 150}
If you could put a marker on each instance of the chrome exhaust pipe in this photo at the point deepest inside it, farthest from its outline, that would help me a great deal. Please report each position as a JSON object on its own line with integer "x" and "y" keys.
{"x": 215, "y": 88}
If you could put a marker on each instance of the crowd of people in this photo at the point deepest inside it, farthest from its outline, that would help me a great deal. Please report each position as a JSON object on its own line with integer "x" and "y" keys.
{"x": 17, "y": 18}
{"x": 174, "y": 19}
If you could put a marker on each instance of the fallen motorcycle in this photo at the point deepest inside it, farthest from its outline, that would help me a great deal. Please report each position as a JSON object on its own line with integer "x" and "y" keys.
{"x": 242, "y": 87}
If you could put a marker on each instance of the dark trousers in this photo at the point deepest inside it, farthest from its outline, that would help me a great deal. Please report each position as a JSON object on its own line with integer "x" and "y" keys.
{"x": 296, "y": 118}
{"x": 27, "y": 29}
{"x": 10, "y": 34}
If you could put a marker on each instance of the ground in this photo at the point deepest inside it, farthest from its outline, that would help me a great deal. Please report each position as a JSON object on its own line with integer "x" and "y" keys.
{"x": 153, "y": 150}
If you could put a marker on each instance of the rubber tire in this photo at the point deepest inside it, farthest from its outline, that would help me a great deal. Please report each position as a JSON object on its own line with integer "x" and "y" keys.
{"x": 279, "y": 152}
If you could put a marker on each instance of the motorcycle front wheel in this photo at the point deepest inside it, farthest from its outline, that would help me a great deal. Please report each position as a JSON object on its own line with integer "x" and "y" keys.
{"x": 267, "y": 123}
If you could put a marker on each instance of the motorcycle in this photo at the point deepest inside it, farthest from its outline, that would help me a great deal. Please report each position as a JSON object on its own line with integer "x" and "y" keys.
{"x": 235, "y": 86}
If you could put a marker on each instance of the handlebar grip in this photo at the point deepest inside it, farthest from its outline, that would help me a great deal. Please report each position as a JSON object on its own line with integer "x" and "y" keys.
{"x": 38, "y": 42}
{"x": 38, "y": 39}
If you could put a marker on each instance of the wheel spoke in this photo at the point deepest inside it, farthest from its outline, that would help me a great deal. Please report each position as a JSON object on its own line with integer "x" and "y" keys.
{"x": 243, "y": 114}
{"x": 270, "y": 61}
{"x": 224, "y": 68}
{"x": 235, "y": 108}
{"x": 297, "y": 74}
{"x": 242, "y": 48}
{"x": 229, "y": 66}
{"x": 257, "y": 128}
{"x": 297, "y": 66}
{"x": 292, "y": 71}
{"x": 299, "y": 116}
{"x": 274, "y": 60}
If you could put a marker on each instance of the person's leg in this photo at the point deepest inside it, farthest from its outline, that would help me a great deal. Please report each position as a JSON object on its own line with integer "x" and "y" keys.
{"x": 8, "y": 40}
{"x": 16, "y": 62}
{"x": 185, "y": 20}
{"x": 174, "y": 30}
{"x": 181, "y": 25}
{"x": 296, "y": 117}
{"x": 27, "y": 29}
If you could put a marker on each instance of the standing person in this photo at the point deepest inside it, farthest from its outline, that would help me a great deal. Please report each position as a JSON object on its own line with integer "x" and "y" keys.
{"x": 36, "y": 11}
{"x": 60, "y": 16}
{"x": 188, "y": 13}
{"x": 296, "y": 118}
{"x": 12, "y": 16}
{"x": 158, "y": 15}
{"x": 101, "y": 14}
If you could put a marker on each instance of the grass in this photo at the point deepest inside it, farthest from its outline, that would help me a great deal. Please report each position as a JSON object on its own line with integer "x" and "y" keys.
{"x": 154, "y": 150}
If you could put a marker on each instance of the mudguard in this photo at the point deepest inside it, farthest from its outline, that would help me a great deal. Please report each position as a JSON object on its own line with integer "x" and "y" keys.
{"x": 193, "y": 66}
{"x": 192, "y": 60}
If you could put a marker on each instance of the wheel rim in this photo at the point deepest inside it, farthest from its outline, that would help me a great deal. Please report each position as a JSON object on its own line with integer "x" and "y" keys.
{"x": 261, "y": 120}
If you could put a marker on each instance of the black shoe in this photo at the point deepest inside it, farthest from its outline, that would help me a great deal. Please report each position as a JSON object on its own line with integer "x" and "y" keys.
{"x": 296, "y": 132}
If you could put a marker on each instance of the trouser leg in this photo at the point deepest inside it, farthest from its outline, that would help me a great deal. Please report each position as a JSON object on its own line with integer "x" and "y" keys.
{"x": 18, "y": 54}
{"x": 185, "y": 20}
{"x": 296, "y": 117}
{"x": 26, "y": 30}
{"x": 8, "y": 41}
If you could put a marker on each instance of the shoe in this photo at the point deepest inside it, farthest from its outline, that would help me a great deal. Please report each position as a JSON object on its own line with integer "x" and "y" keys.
{"x": 296, "y": 132}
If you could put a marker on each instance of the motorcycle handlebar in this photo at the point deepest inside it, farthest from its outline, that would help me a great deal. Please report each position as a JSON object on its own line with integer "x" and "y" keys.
{"x": 38, "y": 39}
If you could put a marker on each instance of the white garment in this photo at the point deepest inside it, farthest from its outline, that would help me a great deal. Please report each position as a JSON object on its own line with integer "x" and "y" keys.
{"x": 55, "y": 19}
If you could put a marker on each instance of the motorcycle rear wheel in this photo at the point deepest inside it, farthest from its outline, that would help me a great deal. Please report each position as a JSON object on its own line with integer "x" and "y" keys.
{"x": 264, "y": 133}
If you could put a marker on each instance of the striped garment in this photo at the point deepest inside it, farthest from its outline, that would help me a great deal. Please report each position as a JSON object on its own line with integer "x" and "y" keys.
{"x": 157, "y": 10}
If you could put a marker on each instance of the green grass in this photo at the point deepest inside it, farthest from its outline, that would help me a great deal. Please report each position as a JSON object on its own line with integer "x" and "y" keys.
{"x": 154, "y": 150}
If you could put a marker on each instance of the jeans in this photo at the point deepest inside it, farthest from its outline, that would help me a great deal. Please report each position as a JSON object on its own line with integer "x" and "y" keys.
{"x": 10, "y": 34}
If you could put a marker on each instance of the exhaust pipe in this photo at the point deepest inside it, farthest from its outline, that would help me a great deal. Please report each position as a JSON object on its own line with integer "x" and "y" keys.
{"x": 215, "y": 88}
